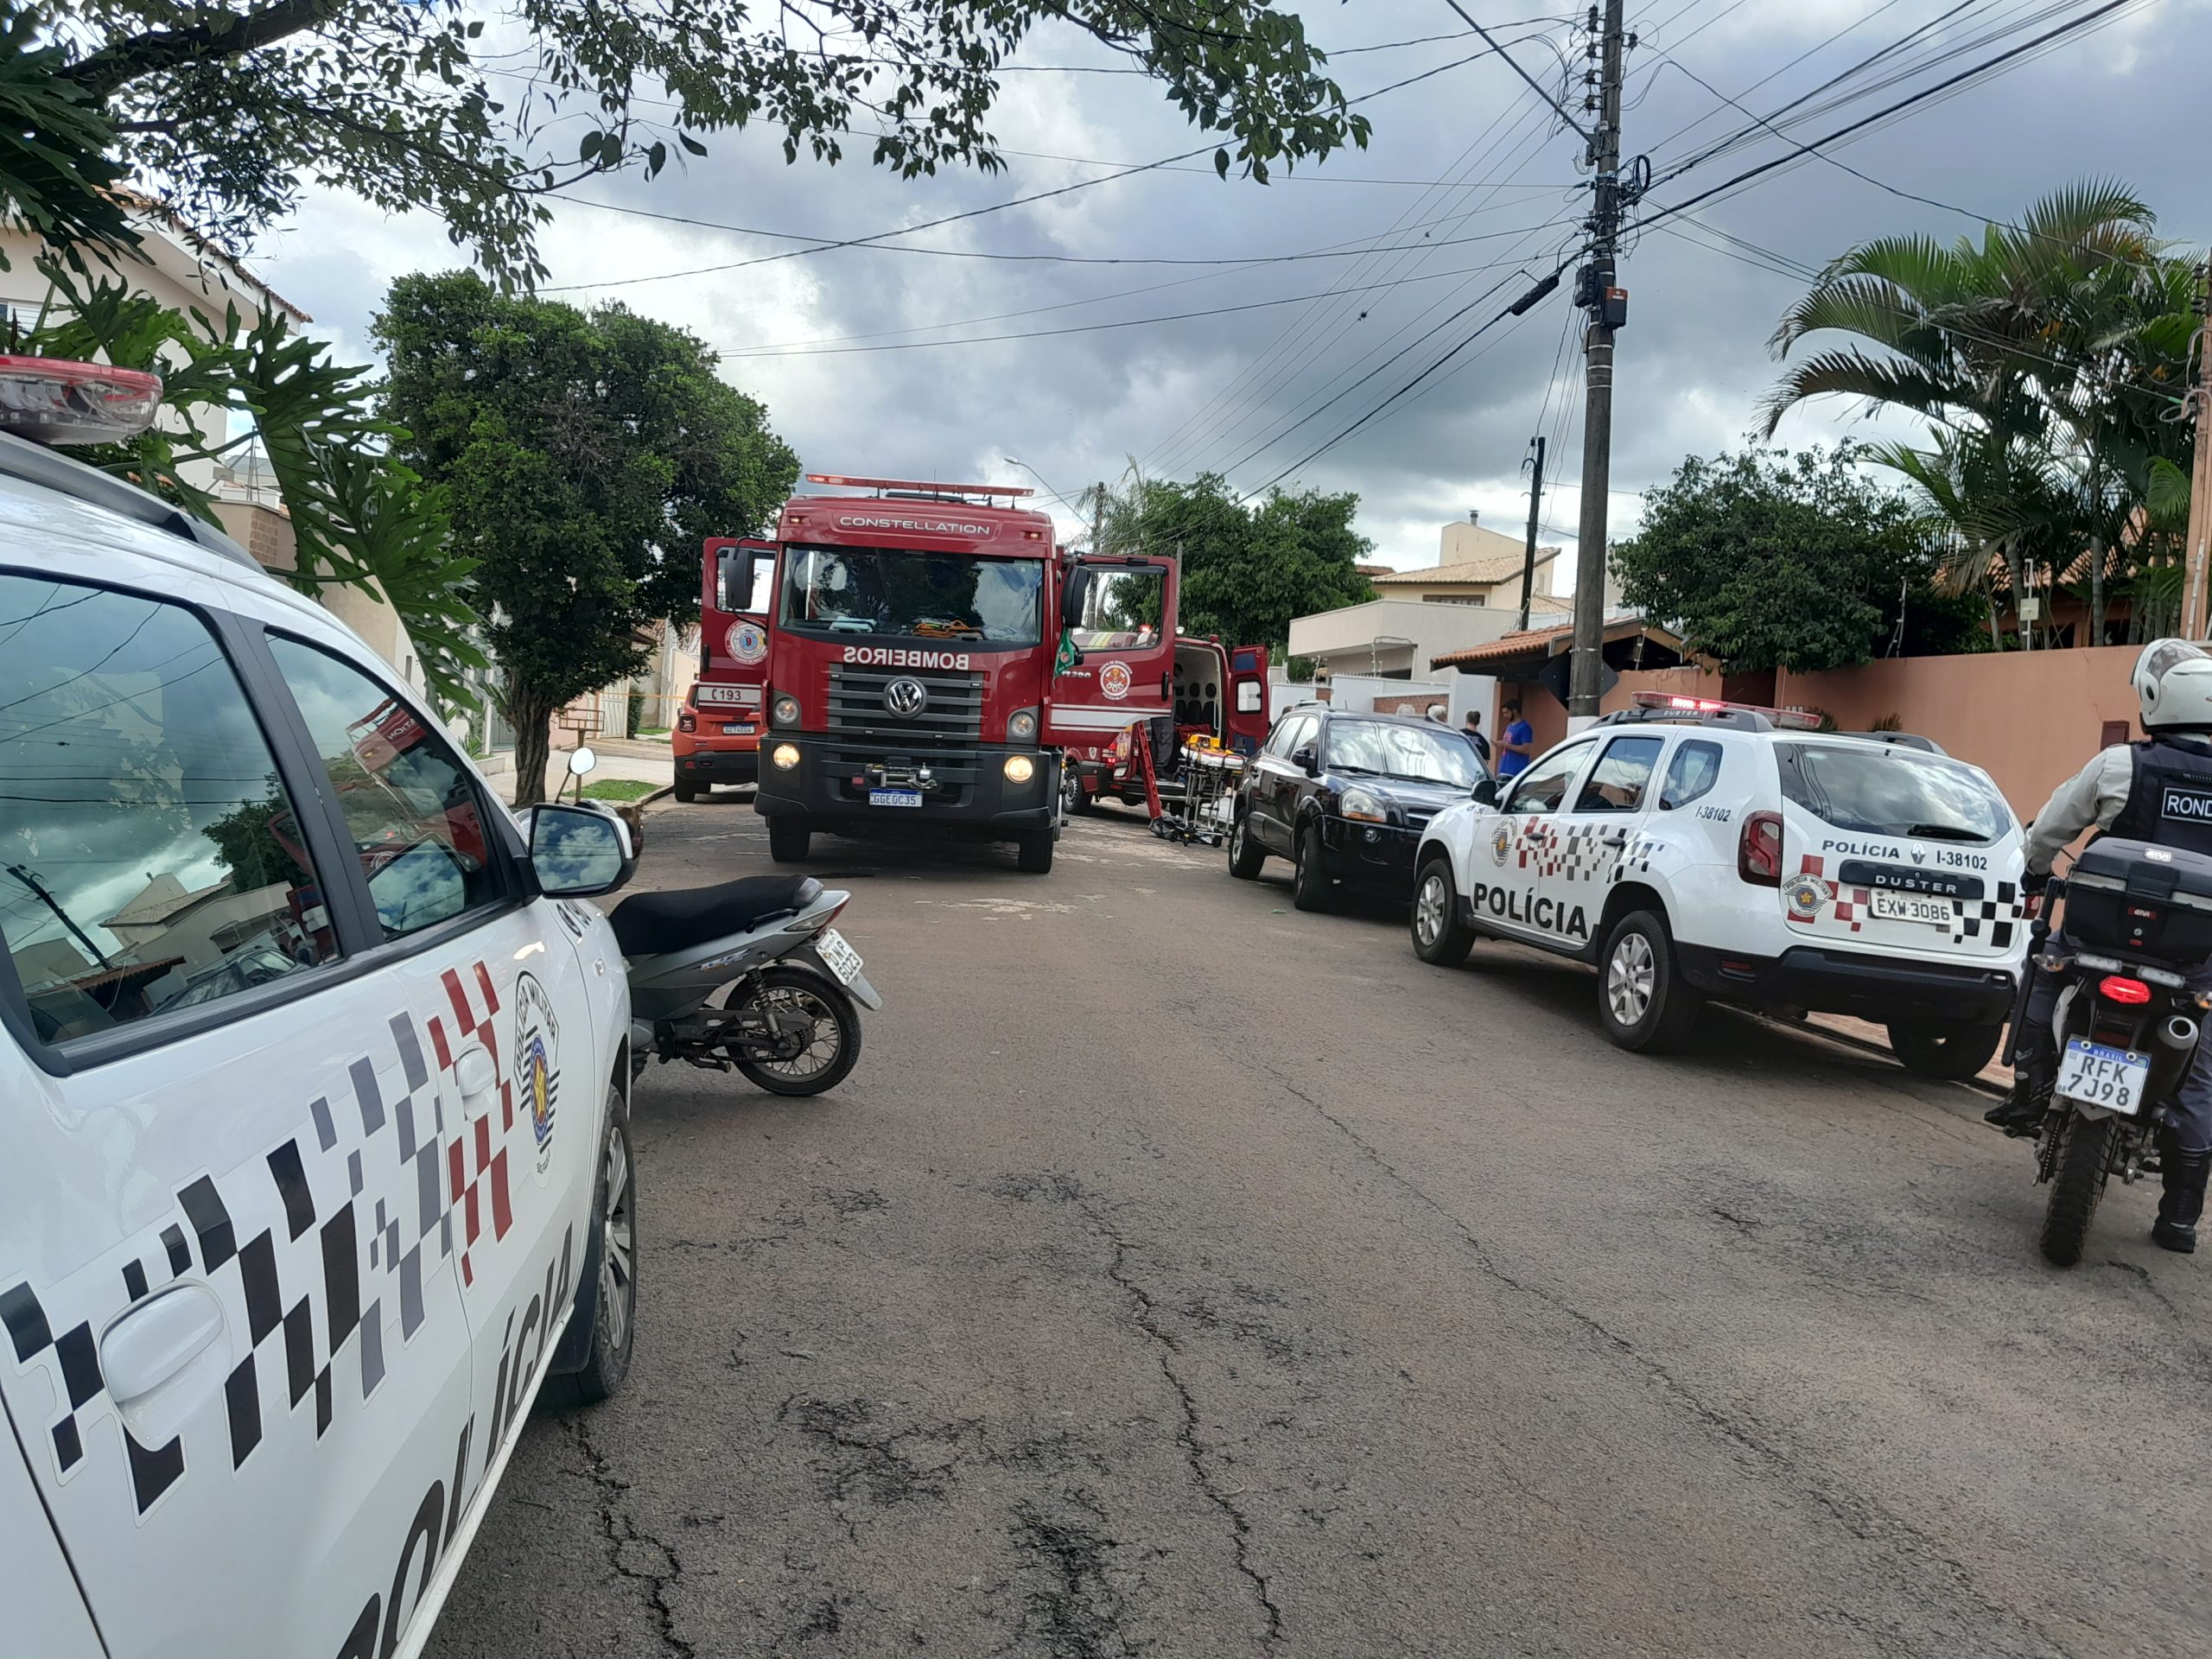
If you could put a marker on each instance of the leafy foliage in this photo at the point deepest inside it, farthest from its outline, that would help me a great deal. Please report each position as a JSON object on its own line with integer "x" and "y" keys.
{"x": 586, "y": 457}
{"x": 56, "y": 175}
{"x": 1765, "y": 560}
{"x": 359, "y": 518}
{"x": 233, "y": 107}
{"x": 2050, "y": 360}
{"x": 1247, "y": 570}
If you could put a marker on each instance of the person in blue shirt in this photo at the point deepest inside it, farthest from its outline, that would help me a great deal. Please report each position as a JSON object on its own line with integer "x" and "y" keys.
{"x": 1516, "y": 744}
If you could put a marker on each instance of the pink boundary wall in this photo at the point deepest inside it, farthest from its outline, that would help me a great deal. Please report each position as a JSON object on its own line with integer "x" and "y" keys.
{"x": 2031, "y": 718}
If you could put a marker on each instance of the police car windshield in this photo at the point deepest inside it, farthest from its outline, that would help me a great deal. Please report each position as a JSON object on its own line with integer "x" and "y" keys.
{"x": 1890, "y": 791}
{"x": 1418, "y": 753}
{"x": 915, "y": 595}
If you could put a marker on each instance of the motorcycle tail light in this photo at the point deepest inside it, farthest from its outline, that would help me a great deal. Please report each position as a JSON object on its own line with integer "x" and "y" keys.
{"x": 1758, "y": 852}
{"x": 2115, "y": 987}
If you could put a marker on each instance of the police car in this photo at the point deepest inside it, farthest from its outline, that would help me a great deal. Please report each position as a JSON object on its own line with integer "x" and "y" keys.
{"x": 1699, "y": 850}
{"x": 314, "y": 1168}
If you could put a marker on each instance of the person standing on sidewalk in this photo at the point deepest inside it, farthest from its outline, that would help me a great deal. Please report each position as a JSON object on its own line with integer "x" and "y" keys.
{"x": 1516, "y": 745}
{"x": 1474, "y": 729}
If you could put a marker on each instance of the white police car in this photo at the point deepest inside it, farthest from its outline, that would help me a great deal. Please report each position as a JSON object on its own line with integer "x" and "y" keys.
{"x": 1698, "y": 850}
{"x": 314, "y": 1165}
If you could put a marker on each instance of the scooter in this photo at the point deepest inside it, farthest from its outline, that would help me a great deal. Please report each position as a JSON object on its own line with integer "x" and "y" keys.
{"x": 749, "y": 975}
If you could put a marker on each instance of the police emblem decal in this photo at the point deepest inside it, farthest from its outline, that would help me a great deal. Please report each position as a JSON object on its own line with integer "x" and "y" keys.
{"x": 537, "y": 1063}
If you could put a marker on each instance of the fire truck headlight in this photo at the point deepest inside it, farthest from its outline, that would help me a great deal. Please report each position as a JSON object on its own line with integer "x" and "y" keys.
{"x": 785, "y": 755}
{"x": 785, "y": 711}
{"x": 1021, "y": 726}
{"x": 1019, "y": 768}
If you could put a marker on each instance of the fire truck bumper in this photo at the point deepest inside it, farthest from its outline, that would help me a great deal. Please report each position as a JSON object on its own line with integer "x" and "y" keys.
{"x": 833, "y": 792}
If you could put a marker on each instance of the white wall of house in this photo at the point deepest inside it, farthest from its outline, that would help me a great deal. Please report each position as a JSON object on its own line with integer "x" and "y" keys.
{"x": 1393, "y": 637}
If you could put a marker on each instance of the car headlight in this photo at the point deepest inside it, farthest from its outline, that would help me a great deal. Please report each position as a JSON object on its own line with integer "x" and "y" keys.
{"x": 784, "y": 710}
{"x": 1019, "y": 769}
{"x": 785, "y": 756}
{"x": 1364, "y": 806}
{"x": 1022, "y": 727}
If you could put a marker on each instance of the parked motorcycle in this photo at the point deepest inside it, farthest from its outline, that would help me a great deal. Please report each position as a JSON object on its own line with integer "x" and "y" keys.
{"x": 2127, "y": 1024}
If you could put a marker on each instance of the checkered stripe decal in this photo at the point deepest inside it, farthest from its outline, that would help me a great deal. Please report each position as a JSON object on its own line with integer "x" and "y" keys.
{"x": 1970, "y": 917}
{"x": 308, "y": 1289}
{"x": 1589, "y": 851}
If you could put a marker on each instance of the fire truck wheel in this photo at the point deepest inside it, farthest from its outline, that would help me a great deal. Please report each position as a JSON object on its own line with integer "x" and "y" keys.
{"x": 685, "y": 792}
{"x": 1245, "y": 853}
{"x": 1309, "y": 878}
{"x": 788, "y": 839}
{"x": 1034, "y": 852}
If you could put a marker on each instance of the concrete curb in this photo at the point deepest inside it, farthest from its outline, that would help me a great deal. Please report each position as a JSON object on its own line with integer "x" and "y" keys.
{"x": 660, "y": 794}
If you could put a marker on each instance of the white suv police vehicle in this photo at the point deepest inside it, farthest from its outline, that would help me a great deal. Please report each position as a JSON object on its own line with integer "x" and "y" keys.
{"x": 314, "y": 1165}
{"x": 1697, "y": 850}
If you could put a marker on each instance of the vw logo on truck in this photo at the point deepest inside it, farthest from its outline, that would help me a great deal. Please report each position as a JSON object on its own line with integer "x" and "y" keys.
{"x": 905, "y": 698}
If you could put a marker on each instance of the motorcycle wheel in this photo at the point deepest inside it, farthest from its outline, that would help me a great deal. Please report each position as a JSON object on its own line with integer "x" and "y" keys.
{"x": 834, "y": 1043}
{"x": 2077, "y": 1182}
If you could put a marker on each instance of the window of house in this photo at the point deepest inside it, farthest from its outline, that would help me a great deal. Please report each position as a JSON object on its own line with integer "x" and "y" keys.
{"x": 149, "y": 856}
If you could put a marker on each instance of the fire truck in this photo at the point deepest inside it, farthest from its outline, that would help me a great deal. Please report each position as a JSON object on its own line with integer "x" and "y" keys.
{"x": 932, "y": 656}
{"x": 717, "y": 738}
{"x": 1219, "y": 697}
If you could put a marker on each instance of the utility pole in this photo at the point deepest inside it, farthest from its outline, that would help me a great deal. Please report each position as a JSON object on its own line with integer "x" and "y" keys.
{"x": 2194, "y": 559}
{"x": 1607, "y": 306}
{"x": 1528, "y": 559}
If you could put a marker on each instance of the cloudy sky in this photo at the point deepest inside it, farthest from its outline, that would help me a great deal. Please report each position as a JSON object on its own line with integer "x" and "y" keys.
{"x": 1470, "y": 181}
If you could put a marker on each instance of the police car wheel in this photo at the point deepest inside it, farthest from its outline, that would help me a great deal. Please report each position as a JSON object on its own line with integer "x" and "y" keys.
{"x": 1439, "y": 936}
{"x": 1643, "y": 1002}
{"x": 1949, "y": 1049}
{"x": 607, "y": 1294}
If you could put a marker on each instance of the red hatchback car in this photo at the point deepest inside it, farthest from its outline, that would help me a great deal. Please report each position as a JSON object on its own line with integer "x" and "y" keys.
{"x": 715, "y": 742}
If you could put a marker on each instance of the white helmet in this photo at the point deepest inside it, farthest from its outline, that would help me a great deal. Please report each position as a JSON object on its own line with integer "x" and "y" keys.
{"x": 2173, "y": 686}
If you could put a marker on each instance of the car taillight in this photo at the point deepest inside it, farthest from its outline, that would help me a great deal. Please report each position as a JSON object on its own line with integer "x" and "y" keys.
{"x": 1758, "y": 851}
{"x": 2114, "y": 988}
{"x": 686, "y": 721}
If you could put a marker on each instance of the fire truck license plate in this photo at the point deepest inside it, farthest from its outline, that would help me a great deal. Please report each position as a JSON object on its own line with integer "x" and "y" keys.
{"x": 1910, "y": 907}
{"x": 838, "y": 957}
{"x": 894, "y": 798}
{"x": 2098, "y": 1076}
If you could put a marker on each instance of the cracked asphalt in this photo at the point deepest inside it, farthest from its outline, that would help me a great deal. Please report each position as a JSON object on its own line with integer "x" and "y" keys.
{"x": 1181, "y": 1275}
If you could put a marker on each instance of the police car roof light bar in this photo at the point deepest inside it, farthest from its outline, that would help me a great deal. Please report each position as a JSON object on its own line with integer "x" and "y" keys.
{"x": 1797, "y": 720}
{"x": 52, "y": 400}
{"x": 921, "y": 485}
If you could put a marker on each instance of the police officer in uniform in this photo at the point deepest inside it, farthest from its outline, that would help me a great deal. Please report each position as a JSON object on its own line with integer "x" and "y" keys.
{"x": 2124, "y": 791}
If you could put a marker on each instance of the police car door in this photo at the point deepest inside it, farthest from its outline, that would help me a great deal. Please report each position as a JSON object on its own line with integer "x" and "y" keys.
{"x": 492, "y": 979}
{"x": 234, "y": 1401}
{"x": 1523, "y": 846}
{"x": 1589, "y": 839}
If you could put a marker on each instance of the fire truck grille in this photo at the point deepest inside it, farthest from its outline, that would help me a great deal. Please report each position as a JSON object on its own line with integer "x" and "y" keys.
{"x": 952, "y": 708}
{"x": 951, "y": 765}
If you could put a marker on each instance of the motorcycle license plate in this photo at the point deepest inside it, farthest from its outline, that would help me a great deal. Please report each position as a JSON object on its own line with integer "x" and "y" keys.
{"x": 839, "y": 957}
{"x": 2098, "y": 1076}
{"x": 894, "y": 798}
{"x": 1910, "y": 907}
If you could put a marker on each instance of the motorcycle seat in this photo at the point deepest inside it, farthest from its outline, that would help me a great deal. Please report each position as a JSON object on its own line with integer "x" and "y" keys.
{"x": 656, "y": 924}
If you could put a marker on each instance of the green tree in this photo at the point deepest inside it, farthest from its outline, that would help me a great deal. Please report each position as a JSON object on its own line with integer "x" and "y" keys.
{"x": 359, "y": 517}
{"x": 233, "y": 107}
{"x": 1247, "y": 569}
{"x": 1765, "y": 560}
{"x": 587, "y": 457}
{"x": 2050, "y": 359}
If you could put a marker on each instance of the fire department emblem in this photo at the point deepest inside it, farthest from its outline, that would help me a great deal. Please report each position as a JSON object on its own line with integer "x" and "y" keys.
{"x": 1806, "y": 894}
{"x": 1501, "y": 841}
{"x": 746, "y": 643}
{"x": 1113, "y": 680}
{"x": 537, "y": 1063}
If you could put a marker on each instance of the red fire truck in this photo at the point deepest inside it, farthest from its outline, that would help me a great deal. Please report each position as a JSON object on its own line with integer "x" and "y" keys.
{"x": 915, "y": 680}
{"x": 717, "y": 735}
{"x": 1220, "y": 695}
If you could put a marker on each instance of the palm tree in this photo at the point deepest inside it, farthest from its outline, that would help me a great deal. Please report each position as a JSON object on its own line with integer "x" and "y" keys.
{"x": 2047, "y": 358}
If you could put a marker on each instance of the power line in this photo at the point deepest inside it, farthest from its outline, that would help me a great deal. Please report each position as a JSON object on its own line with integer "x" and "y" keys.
{"x": 1535, "y": 84}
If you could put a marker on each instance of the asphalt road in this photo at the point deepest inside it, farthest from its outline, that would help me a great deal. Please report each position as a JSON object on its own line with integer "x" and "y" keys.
{"x": 1180, "y": 1275}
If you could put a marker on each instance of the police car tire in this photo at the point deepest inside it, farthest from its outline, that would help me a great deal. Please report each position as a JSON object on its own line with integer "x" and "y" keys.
{"x": 685, "y": 793}
{"x": 788, "y": 840}
{"x": 1309, "y": 877}
{"x": 1246, "y": 855}
{"x": 607, "y": 1361}
{"x": 1674, "y": 1004}
{"x": 1948, "y": 1049}
{"x": 1454, "y": 938}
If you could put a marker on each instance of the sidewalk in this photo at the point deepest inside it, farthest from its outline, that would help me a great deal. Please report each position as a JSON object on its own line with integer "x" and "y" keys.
{"x": 637, "y": 760}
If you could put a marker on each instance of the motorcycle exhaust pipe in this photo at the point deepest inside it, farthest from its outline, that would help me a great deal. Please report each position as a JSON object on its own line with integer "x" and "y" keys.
{"x": 2178, "y": 1035}
{"x": 2172, "y": 1041}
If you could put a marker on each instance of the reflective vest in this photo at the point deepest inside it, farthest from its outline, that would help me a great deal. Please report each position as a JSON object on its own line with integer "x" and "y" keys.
{"x": 2170, "y": 802}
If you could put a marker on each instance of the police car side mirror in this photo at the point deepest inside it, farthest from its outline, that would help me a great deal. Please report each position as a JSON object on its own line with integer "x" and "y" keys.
{"x": 1485, "y": 793}
{"x": 578, "y": 851}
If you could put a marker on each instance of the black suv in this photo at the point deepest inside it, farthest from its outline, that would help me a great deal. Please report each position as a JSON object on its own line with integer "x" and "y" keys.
{"x": 1344, "y": 796}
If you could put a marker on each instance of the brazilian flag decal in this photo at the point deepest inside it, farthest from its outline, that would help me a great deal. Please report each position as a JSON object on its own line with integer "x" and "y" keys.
{"x": 1069, "y": 656}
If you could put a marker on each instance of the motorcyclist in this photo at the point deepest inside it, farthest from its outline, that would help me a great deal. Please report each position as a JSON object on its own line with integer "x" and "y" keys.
{"x": 2127, "y": 790}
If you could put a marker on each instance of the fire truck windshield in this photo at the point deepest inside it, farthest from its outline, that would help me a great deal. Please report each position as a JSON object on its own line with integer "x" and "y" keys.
{"x": 914, "y": 595}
